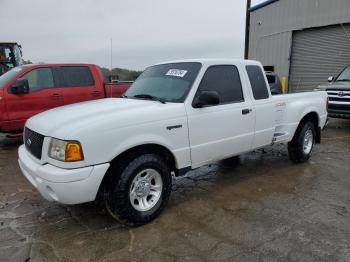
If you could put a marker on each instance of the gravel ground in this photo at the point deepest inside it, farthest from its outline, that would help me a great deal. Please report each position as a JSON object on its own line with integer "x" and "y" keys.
{"x": 263, "y": 208}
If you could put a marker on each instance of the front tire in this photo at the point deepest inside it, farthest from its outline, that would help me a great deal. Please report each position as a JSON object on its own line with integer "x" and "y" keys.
{"x": 300, "y": 148}
{"x": 138, "y": 192}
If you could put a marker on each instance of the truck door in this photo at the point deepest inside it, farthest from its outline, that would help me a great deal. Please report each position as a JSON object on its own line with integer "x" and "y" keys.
{"x": 42, "y": 96}
{"x": 3, "y": 112}
{"x": 264, "y": 108}
{"x": 79, "y": 84}
{"x": 226, "y": 129}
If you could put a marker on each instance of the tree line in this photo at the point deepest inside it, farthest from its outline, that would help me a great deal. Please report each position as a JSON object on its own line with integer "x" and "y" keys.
{"x": 120, "y": 74}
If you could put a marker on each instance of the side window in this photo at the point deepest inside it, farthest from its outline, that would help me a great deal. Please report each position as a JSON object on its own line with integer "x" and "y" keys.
{"x": 257, "y": 81}
{"x": 225, "y": 81}
{"x": 39, "y": 78}
{"x": 75, "y": 76}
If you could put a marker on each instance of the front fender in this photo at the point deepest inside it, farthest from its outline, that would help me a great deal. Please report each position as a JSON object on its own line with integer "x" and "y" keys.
{"x": 112, "y": 143}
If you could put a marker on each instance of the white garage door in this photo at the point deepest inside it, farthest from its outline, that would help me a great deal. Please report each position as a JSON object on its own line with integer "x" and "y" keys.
{"x": 317, "y": 54}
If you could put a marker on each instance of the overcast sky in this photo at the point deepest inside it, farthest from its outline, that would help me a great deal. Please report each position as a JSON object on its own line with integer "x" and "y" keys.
{"x": 143, "y": 31}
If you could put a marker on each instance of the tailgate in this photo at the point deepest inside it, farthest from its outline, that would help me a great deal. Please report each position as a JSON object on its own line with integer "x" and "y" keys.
{"x": 117, "y": 89}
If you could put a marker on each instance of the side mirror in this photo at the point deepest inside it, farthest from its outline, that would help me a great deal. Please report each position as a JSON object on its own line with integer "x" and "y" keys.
{"x": 206, "y": 98}
{"x": 330, "y": 79}
{"x": 21, "y": 86}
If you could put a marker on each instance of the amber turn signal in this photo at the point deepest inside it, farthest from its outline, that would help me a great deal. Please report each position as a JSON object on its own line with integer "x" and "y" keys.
{"x": 74, "y": 152}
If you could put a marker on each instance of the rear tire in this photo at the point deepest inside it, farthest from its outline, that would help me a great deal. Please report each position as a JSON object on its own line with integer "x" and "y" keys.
{"x": 301, "y": 146}
{"x": 138, "y": 192}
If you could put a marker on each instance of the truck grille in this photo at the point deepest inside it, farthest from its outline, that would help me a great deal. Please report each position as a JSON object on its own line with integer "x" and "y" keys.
{"x": 339, "y": 99}
{"x": 33, "y": 142}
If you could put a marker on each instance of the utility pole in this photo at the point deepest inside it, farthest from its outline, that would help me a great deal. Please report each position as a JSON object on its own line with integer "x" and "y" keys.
{"x": 247, "y": 29}
{"x": 111, "y": 54}
{"x": 111, "y": 66}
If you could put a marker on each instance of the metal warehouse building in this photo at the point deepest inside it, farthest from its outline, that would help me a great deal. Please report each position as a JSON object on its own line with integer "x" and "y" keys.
{"x": 305, "y": 41}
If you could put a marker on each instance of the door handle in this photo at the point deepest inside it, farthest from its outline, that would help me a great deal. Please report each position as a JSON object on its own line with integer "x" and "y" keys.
{"x": 56, "y": 96}
{"x": 246, "y": 111}
{"x": 96, "y": 93}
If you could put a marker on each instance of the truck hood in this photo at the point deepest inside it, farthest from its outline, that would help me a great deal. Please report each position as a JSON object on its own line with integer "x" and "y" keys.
{"x": 98, "y": 115}
{"x": 335, "y": 85}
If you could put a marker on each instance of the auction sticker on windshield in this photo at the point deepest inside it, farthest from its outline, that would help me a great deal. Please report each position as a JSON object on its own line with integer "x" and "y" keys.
{"x": 176, "y": 72}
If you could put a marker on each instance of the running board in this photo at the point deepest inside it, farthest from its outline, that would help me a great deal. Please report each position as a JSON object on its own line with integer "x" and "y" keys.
{"x": 278, "y": 135}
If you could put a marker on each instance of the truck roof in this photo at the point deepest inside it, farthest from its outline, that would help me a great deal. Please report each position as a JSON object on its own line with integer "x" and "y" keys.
{"x": 214, "y": 61}
{"x": 60, "y": 64}
{"x": 9, "y": 43}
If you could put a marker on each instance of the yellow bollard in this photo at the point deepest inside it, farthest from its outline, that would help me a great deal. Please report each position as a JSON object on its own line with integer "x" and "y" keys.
{"x": 284, "y": 85}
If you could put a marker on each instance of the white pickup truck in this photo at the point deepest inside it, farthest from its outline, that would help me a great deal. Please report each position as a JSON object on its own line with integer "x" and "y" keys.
{"x": 177, "y": 116}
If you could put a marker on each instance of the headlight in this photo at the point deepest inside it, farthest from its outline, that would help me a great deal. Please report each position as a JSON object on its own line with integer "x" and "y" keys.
{"x": 67, "y": 151}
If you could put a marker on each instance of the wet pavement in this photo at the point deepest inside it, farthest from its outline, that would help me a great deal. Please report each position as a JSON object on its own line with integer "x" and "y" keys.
{"x": 263, "y": 208}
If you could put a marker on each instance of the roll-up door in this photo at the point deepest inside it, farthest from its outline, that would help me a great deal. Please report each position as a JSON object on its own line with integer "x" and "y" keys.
{"x": 318, "y": 53}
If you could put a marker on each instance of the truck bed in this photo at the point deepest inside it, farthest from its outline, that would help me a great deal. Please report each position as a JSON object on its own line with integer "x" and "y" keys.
{"x": 289, "y": 109}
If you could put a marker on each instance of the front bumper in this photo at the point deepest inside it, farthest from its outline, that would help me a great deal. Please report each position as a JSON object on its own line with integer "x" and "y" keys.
{"x": 339, "y": 113}
{"x": 339, "y": 110}
{"x": 66, "y": 186}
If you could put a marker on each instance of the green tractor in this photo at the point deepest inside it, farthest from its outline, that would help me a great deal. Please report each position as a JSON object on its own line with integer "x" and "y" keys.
{"x": 10, "y": 56}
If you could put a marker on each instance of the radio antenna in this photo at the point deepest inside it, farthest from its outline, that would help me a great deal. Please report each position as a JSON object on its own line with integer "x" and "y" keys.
{"x": 111, "y": 66}
{"x": 111, "y": 54}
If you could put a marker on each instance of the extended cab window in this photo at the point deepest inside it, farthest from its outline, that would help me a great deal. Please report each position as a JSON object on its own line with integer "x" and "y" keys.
{"x": 225, "y": 80}
{"x": 257, "y": 82}
{"x": 76, "y": 76}
{"x": 39, "y": 78}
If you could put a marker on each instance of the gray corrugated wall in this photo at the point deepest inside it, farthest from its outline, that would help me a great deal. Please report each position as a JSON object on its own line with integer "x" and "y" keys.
{"x": 274, "y": 50}
{"x": 271, "y": 27}
{"x": 318, "y": 53}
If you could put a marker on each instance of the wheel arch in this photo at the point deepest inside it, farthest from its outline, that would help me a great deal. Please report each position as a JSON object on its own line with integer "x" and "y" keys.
{"x": 314, "y": 118}
{"x": 127, "y": 155}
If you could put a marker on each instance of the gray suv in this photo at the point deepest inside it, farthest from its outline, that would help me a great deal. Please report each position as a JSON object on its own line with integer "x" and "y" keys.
{"x": 338, "y": 91}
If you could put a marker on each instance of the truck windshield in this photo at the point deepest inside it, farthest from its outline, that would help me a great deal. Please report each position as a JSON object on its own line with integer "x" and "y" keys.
{"x": 345, "y": 75}
{"x": 9, "y": 75}
{"x": 167, "y": 82}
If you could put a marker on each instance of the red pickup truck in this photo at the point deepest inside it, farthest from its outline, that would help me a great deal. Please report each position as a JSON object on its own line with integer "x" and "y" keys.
{"x": 30, "y": 89}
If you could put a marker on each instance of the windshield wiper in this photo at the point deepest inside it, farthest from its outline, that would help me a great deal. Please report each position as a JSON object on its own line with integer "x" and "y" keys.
{"x": 343, "y": 80}
{"x": 149, "y": 97}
